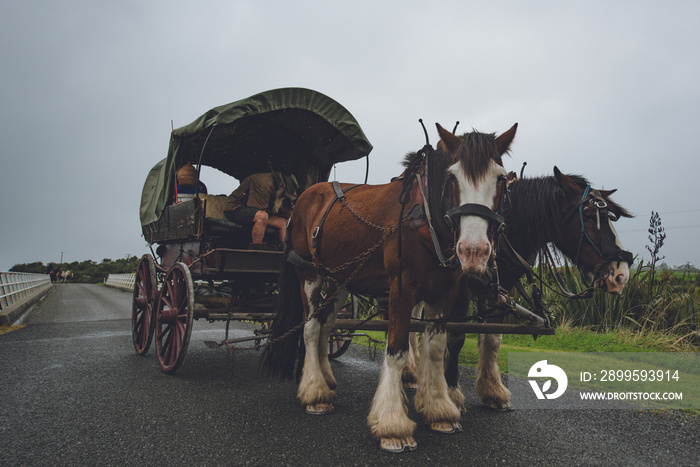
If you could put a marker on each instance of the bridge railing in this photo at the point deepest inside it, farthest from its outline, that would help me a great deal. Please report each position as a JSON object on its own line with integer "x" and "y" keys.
{"x": 121, "y": 281}
{"x": 18, "y": 291}
{"x": 16, "y": 287}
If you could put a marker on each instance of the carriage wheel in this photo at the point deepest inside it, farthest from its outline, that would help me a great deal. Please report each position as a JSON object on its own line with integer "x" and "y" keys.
{"x": 174, "y": 317}
{"x": 338, "y": 343}
{"x": 145, "y": 291}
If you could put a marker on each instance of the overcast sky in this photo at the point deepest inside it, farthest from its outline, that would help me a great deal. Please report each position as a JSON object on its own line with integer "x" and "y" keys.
{"x": 88, "y": 90}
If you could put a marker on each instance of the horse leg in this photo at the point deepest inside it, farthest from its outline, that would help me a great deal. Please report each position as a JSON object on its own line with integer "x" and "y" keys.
{"x": 313, "y": 392}
{"x": 455, "y": 342}
{"x": 409, "y": 375}
{"x": 489, "y": 386}
{"x": 388, "y": 419}
{"x": 326, "y": 331}
{"x": 432, "y": 400}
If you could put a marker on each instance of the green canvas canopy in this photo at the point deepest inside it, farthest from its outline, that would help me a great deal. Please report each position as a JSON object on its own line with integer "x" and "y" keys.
{"x": 295, "y": 131}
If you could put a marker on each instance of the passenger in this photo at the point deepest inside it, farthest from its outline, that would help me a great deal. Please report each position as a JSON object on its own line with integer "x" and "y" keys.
{"x": 187, "y": 180}
{"x": 262, "y": 199}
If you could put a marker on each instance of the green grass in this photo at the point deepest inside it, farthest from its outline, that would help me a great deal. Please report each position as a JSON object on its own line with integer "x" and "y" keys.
{"x": 566, "y": 339}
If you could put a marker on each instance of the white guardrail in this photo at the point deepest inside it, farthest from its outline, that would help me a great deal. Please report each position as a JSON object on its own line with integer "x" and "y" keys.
{"x": 19, "y": 291}
{"x": 121, "y": 281}
{"x": 16, "y": 287}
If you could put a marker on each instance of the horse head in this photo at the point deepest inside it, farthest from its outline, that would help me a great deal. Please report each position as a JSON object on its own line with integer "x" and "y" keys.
{"x": 471, "y": 167}
{"x": 593, "y": 244}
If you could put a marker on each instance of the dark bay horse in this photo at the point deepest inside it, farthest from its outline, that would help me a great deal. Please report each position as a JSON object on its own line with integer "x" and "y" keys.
{"x": 562, "y": 210}
{"x": 354, "y": 235}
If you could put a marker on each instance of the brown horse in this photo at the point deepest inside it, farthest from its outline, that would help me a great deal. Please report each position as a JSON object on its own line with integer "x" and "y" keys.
{"x": 562, "y": 210}
{"x": 357, "y": 237}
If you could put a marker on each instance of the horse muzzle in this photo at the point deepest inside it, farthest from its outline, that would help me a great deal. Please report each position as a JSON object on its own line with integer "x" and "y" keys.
{"x": 615, "y": 279}
{"x": 474, "y": 256}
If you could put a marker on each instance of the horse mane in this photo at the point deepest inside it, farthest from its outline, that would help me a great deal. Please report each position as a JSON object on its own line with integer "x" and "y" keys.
{"x": 533, "y": 215}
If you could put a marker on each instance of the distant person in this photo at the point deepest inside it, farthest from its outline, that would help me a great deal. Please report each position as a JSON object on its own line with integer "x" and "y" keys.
{"x": 187, "y": 180}
{"x": 262, "y": 200}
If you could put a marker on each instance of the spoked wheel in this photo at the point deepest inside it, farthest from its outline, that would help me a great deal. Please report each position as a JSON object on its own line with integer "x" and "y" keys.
{"x": 338, "y": 343}
{"x": 174, "y": 317}
{"x": 142, "y": 309}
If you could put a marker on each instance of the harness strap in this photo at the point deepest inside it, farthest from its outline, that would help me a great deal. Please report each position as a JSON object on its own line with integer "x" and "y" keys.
{"x": 473, "y": 209}
{"x": 339, "y": 195}
{"x": 296, "y": 260}
{"x": 609, "y": 249}
{"x": 433, "y": 235}
{"x": 338, "y": 192}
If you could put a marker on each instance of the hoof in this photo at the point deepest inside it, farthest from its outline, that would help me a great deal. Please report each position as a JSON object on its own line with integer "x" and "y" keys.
{"x": 493, "y": 404}
{"x": 395, "y": 445}
{"x": 446, "y": 428}
{"x": 319, "y": 409}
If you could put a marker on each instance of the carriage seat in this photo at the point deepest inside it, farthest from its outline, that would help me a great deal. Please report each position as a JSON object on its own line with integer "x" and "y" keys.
{"x": 216, "y": 205}
{"x": 215, "y": 218}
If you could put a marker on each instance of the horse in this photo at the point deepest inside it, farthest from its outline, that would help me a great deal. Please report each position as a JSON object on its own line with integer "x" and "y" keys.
{"x": 355, "y": 235}
{"x": 64, "y": 276}
{"x": 52, "y": 273}
{"x": 562, "y": 210}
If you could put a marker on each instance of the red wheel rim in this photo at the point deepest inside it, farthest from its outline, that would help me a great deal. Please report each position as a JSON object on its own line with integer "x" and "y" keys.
{"x": 337, "y": 344}
{"x": 174, "y": 318}
{"x": 142, "y": 305}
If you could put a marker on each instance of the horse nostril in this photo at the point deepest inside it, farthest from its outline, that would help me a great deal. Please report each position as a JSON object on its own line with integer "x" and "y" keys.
{"x": 486, "y": 250}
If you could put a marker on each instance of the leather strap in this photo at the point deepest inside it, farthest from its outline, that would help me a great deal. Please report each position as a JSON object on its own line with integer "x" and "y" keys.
{"x": 339, "y": 194}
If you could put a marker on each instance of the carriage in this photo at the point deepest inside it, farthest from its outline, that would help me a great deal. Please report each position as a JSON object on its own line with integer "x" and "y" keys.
{"x": 201, "y": 267}
{"x": 292, "y": 132}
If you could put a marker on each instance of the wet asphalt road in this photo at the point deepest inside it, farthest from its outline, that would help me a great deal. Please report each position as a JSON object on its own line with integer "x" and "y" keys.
{"x": 73, "y": 392}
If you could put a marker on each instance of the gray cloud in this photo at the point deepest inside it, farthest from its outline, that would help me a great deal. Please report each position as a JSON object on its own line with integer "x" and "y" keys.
{"x": 89, "y": 90}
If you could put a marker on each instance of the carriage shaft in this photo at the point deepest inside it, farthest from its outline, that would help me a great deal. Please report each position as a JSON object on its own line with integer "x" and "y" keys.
{"x": 477, "y": 328}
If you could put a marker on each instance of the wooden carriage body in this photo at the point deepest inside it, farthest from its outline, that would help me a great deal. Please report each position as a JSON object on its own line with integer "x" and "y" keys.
{"x": 295, "y": 132}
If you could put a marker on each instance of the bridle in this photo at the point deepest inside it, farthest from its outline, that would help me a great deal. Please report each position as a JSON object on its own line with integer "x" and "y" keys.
{"x": 609, "y": 250}
{"x": 452, "y": 215}
{"x": 471, "y": 209}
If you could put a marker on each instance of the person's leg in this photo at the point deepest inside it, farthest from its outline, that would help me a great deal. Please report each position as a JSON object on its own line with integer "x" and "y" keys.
{"x": 260, "y": 222}
{"x": 279, "y": 223}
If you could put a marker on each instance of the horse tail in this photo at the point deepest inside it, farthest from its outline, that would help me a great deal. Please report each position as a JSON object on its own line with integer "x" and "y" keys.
{"x": 280, "y": 358}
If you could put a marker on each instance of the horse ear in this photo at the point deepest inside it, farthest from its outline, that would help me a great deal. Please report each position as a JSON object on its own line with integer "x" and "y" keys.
{"x": 451, "y": 141}
{"x": 566, "y": 183}
{"x": 503, "y": 142}
{"x": 606, "y": 193}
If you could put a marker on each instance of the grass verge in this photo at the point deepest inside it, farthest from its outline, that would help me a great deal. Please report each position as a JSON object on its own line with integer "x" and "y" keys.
{"x": 566, "y": 339}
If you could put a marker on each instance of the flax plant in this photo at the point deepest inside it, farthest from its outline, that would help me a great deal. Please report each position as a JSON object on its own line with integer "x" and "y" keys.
{"x": 672, "y": 314}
